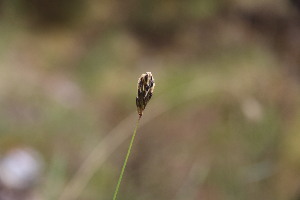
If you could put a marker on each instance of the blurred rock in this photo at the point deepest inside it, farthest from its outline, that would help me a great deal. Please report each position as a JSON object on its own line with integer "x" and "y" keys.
{"x": 252, "y": 110}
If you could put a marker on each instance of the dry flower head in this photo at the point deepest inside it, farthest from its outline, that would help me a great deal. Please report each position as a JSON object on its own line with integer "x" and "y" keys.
{"x": 145, "y": 87}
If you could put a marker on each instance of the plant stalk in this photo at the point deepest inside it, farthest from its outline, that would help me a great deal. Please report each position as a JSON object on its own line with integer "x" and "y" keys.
{"x": 126, "y": 159}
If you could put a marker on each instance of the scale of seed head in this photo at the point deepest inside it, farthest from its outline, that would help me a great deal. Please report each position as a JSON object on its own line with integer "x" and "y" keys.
{"x": 145, "y": 87}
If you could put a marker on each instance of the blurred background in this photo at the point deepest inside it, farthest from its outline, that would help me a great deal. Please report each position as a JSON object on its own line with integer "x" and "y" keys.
{"x": 223, "y": 124}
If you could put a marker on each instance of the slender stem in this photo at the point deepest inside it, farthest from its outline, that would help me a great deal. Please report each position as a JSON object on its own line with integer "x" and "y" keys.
{"x": 126, "y": 159}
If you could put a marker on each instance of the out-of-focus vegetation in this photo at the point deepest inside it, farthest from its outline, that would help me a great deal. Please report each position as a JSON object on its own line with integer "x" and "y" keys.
{"x": 224, "y": 121}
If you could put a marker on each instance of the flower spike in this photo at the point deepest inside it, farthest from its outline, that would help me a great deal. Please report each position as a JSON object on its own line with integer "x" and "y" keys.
{"x": 145, "y": 88}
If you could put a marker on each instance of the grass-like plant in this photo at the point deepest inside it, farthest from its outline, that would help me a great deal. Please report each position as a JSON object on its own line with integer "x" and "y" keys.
{"x": 145, "y": 87}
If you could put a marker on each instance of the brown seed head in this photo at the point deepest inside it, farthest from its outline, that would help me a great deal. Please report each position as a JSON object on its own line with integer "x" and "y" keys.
{"x": 145, "y": 87}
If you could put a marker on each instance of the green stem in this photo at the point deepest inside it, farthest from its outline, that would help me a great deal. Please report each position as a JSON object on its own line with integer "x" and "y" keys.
{"x": 126, "y": 159}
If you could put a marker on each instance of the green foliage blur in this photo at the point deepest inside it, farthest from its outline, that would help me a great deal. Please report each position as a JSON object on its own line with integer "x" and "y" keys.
{"x": 227, "y": 79}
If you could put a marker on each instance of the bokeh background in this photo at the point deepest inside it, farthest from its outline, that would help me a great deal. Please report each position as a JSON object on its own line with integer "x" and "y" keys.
{"x": 223, "y": 124}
